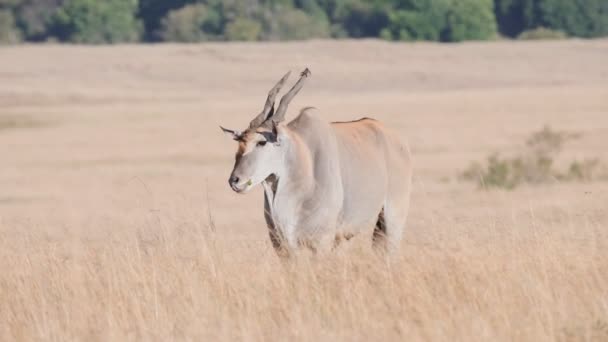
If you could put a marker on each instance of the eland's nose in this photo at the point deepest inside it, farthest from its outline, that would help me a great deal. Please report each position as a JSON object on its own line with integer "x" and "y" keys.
{"x": 233, "y": 180}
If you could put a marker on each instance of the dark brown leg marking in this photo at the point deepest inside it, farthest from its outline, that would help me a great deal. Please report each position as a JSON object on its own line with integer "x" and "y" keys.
{"x": 380, "y": 229}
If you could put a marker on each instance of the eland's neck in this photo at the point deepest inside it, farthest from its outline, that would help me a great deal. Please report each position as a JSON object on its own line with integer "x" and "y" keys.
{"x": 294, "y": 178}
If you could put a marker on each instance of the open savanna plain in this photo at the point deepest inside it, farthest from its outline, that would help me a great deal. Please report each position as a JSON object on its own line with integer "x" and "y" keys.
{"x": 117, "y": 222}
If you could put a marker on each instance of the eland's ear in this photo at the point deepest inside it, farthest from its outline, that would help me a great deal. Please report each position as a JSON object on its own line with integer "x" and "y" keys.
{"x": 278, "y": 132}
{"x": 236, "y": 135}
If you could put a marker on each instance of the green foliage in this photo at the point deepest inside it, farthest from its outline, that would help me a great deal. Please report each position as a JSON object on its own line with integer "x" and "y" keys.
{"x": 498, "y": 172}
{"x": 358, "y": 18}
{"x": 8, "y": 31}
{"x": 418, "y": 20}
{"x": 34, "y": 18}
{"x": 243, "y": 29}
{"x": 153, "y": 12}
{"x": 534, "y": 166}
{"x": 580, "y": 18}
{"x": 515, "y": 16}
{"x": 285, "y": 23}
{"x": 109, "y": 21}
{"x": 8, "y": 4}
{"x": 295, "y": 24}
{"x": 96, "y": 22}
{"x": 442, "y": 20}
{"x": 585, "y": 171}
{"x": 470, "y": 20}
{"x": 542, "y": 33}
{"x": 192, "y": 23}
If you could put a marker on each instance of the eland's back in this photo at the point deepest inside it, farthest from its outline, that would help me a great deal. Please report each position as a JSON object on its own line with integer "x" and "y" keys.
{"x": 372, "y": 179}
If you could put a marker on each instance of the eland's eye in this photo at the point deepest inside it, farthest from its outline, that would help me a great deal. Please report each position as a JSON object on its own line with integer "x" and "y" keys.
{"x": 261, "y": 143}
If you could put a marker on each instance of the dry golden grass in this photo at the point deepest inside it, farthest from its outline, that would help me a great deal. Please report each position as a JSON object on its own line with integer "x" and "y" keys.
{"x": 116, "y": 222}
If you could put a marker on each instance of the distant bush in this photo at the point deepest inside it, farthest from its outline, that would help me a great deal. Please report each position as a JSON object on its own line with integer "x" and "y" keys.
{"x": 34, "y": 18}
{"x": 109, "y": 21}
{"x": 295, "y": 24}
{"x": 243, "y": 29}
{"x": 153, "y": 12}
{"x": 8, "y": 31}
{"x": 470, "y": 20}
{"x": 418, "y": 20}
{"x": 585, "y": 171}
{"x": 515, "y": 16}
{"x": 442, "y": 20}
{"x": 97, "y": 22}
{"x": 542, "y": 33}
{"x": 534, "y": 166}
{"x": 579, "y": 18}
{"x": 358, "y": 18}
{"x": 192, "y": 23}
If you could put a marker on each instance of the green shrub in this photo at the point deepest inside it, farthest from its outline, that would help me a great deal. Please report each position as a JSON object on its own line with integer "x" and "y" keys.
{"x": 108, "y": 21}
{"x": 442, "y": 20}
{"x": 338, "y": 31}
{"x": 579, "y": 18}
{"x": 585, "y": 171}
{"x": 10, "y": 4}
{"x": 97, "y": 22}
{"x": 153, "y": 12}
{"x": 295, "y": 24}
{"x": 534, "y": 166}
{"x": 516, "y": 16}
{"x": 496, "y": 173}
{"x": 360, "y": 18}
{"x": 243, "y": 29}
{"x": 470, "y": 20}
{"x": 542, "y": 33}
{"x": 34, "y": 18}
{"x": 419, "y": 20}
{"x": 192, "y": 23}
{"x": 8, "y": 31}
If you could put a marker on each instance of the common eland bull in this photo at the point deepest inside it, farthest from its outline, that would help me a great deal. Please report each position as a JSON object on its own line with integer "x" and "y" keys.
{"x": 323, "y": 182}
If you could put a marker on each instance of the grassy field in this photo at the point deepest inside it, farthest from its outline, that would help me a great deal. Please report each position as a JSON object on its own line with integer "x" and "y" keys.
{"x": 117, "y": 223}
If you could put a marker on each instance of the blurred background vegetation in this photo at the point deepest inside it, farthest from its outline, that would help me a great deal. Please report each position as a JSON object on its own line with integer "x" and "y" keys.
{"x": 115, "y": 21}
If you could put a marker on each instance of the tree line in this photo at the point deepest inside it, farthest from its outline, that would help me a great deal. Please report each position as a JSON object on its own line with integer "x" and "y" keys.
{"x": 116, "y": 21}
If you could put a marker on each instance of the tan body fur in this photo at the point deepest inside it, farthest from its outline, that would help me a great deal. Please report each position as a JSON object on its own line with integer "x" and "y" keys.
{"x": 341, "y": 178}
{"x": 323, "y": 182}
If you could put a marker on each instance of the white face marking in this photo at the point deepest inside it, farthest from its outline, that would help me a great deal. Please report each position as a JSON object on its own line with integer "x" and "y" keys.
{"x": 256, "y": 159}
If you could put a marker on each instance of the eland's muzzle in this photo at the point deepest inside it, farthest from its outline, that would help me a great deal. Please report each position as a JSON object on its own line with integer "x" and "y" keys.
{"x": 233, "y": 181}
{"x": 237, "y": 185}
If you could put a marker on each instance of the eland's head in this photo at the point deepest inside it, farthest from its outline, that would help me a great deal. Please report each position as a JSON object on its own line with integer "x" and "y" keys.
{"x": 262, "y": 146}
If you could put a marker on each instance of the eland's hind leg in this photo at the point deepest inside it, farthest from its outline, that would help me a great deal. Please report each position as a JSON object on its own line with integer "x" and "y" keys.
{"x": 379, "y": 237}
{"x": 388, "y": 232}
{"x": 397, "y": 202}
